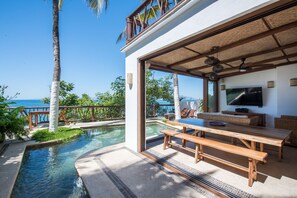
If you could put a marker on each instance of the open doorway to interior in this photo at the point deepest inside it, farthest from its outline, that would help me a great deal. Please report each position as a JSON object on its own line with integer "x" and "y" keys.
{"x": 162, "y": 98}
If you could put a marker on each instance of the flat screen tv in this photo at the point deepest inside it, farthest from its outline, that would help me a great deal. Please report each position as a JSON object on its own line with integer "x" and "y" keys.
{"x": 245, "y": 96}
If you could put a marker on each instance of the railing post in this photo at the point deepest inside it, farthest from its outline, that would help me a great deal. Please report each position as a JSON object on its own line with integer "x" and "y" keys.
{"x": 93, "y": 114}
{"x": 129, "y": 28}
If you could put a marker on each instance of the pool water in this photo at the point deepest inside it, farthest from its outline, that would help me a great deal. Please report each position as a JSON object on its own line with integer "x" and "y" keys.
{"x": 50, "y": 171}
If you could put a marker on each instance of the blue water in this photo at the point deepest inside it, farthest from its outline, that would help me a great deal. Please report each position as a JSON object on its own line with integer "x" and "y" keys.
{"x": 50, "y": 171}
{"x": 28, "y": 103}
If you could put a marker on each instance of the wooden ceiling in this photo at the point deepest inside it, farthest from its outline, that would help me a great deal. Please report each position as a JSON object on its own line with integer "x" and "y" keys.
{"x": 266, "y": 43}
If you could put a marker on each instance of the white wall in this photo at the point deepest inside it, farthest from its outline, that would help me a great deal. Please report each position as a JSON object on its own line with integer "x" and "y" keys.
{"x": 282, "y": 99}
{"x": 286, "y": 95}
{"x": 195, "y": 17}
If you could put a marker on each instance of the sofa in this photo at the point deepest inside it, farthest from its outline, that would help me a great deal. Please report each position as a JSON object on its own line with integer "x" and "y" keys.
{"x": 236, "y": 119}
{"x": 289, "y": 123}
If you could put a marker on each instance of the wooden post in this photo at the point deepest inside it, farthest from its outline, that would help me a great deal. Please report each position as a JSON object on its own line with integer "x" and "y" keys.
{"x": 36, "y": 120}
{"x": 205, "y": 95}
{"x": 142, "y": 107}
{"x": 92, "y": 114}
{"x": 216, "y": 96}
{"x": 30, "y": 121}
{"x": 129, "y": 28}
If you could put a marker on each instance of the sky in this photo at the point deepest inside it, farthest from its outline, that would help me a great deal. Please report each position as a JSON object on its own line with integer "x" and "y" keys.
{"x": 90, "y": 57}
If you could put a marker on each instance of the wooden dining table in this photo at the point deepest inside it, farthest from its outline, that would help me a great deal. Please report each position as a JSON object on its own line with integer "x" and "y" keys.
{"x": 248, "y": 135}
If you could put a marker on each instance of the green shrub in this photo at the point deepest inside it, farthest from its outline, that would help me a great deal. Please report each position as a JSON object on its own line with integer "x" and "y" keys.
{"x": 11, "y": 123}
{"x": 63, "y": 133}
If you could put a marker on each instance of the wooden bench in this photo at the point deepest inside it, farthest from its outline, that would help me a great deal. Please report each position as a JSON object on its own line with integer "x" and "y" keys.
{"x": 252, "y": 155}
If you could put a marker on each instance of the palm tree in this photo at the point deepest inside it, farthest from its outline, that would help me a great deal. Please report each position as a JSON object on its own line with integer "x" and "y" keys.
{"x": 96, "y": 6}
{"x": 176, "y": 96}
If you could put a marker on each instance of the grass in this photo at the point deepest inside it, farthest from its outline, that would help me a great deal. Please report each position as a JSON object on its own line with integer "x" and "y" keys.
{"x": 64, "y": 134}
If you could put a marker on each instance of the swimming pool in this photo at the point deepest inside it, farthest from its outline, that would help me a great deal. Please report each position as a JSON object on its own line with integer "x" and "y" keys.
{"x": 50, "y": 171}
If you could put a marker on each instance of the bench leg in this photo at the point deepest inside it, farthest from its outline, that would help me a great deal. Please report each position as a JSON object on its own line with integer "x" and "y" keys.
{"x": 252, "y": 173}
{"x": 183, "y": 140}
{"x": 197, "y": 153}
{"x": 170, "y": 141}
{"x": 201, "y": 151}
{"x": 165, "y": 142}
{"x": 255, "y": 169}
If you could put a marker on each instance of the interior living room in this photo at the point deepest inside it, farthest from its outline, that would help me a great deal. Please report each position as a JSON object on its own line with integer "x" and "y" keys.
{"x": 246, "y": 55}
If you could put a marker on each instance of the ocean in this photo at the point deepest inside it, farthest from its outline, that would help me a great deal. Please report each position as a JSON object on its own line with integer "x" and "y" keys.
{"x": 28, "y": 103}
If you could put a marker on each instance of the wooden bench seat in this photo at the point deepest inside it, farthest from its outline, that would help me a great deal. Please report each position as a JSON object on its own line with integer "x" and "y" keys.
{"x": 253, "y": 155}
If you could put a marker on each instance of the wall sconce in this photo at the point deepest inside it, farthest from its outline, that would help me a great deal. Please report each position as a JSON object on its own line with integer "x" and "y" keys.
{"x": 223, "y": 87}
{"x": 270, "y": 84}
{"x": 130, "y": 79}
{"x": 293, "y": 82}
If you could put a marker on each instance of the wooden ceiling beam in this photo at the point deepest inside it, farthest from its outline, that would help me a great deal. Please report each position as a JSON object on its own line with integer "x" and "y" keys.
{"x": 238, "y": 43}
{"x": 248, "y": 56}
{"x": 261, "y": 63}
{"x": 256, "y": 70}
{"x": 247, "y": 18}
{"x": 164, "y": 68}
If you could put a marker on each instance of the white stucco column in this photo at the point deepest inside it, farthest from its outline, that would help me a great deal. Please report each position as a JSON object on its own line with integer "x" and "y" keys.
{"x": 132, "y": 105}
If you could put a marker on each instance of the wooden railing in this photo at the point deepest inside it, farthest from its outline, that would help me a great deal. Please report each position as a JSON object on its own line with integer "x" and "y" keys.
{"x": 38, "y": 115}
{"x": 146, "y": 14}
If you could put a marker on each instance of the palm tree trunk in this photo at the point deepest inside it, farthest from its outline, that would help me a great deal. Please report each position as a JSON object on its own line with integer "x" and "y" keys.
{"x": 54, "y": 103}
{"x": 176, "y": 96}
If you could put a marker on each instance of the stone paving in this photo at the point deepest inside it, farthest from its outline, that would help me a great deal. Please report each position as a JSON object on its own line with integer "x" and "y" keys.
{"x": 116, "y": 171}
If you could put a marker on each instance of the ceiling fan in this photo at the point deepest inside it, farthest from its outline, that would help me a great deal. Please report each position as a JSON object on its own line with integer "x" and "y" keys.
{"x": 215, "y": 63}
{"x": 217, "y": 67}
{"x": 244, "y": 67}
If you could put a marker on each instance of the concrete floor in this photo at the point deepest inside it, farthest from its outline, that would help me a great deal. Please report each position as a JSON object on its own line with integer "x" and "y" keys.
{"x": 118, "y": 172}
{"x": 10, "y": 162}
{"x": 275, "y": 179}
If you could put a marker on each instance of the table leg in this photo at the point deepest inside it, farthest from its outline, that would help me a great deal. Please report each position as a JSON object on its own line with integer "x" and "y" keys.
{"x": 253, "y": 145}
{"x": 183, "y": 140}
{"x": 261, "y": 147}
{"x": 280, "y": 153}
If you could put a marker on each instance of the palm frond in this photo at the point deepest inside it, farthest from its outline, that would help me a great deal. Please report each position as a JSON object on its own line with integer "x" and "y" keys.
{"x": 97, "y": 5}
{"x": 60, "y": 4}
{"x": 122, "y": 36}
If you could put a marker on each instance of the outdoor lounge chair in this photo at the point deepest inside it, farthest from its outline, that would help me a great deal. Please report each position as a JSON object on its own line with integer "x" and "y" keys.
{"x": 191, "y": 113}
{"x": 184, "y": 113}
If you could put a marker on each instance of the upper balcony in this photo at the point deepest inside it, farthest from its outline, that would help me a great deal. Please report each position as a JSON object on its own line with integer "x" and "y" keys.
{"x": 148, "y": 13}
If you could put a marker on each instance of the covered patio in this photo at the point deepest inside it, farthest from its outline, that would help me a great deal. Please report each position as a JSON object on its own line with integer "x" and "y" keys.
{"x": 252, "y": 46}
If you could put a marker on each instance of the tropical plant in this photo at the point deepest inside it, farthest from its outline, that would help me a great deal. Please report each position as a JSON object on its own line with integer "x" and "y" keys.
{"x": 96, "y": 6}
{"x": 66, "y": 97}
{"x": 11, "y": 124}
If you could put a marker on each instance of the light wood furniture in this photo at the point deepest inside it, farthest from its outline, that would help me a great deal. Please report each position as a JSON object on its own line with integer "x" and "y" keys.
{"x": 261, "y": 116}
{"x": 289, "y": 123}
{"x": 229, "y": 118}
{"x": 252, "y": 155}
{"x": 248, "y": 135}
